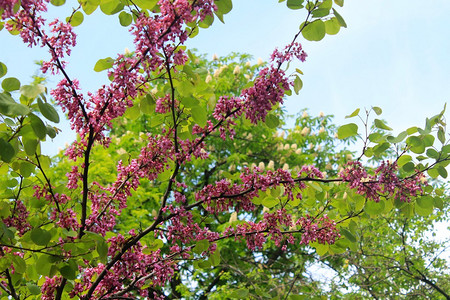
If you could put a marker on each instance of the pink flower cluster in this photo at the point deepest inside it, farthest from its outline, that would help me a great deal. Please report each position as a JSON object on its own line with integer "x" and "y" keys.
{"x": 268, "y": 90}
{"x": 134, "y": 268}
{"x": 18, "y": 218}
{"x": 293, "y": 50}
{"x": 321, "y": 230}
{"x": 273, "y": 225}
{"x": 49, "y": 287}
{"x": 385, "y": 182}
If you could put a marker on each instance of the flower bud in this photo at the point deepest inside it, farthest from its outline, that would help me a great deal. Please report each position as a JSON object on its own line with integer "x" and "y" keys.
{"x": 260, "y": 61}
{"x": 247, "y": 76}
{"x": 215, "y": 57}
{"x": 305, "y": 114}
{"x": 305, "y": 131}
{"x": 237, "y": 70}
{"x": 321, "y": 130}
{"x": 285, "y": 167}
{"x": 270, "y": 165}
{"x": 298, "y": 151}
{"x": 261, "y": 166}
{"x": 208, "y": 78}
{"x": 287, "y": 147}
{"x": 321, "y": 114}
{"x": 217, "y": 72}
{"x": 294, "y": 146}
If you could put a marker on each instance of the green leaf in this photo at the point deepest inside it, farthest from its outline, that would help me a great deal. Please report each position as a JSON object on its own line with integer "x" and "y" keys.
{"x": 398, "y": 139}
{"x": 417, "y": 145}
{"x": 403, "y": 160}
{"x": 51, "y": 132}
{"x": 48, "y": 111}
{"x": 377, "y": 110}
{"x": 201, "y": 246}
{"x": 442, "y": 171}
{"x": 339, "y": 18}
{"x": 89, "y": 6}
{"x": 223, "y": 6}
{"x": 199, "y": 115}
{"x": 423, "y": 211}
{"x": 32, "y": 91}
{"x": 215, "y": 258}
{"x": 147, "y": 104}
{"x": 240, "y": 293}
{"x": 110, "y": 7}
{"x": 38, "y": 126}
{"x": 11, "y": 108}
{"x": 294, "y": 4}
{"x": 347, "y": 130}
{"x": 125, "y": 18}
{"x": 441, "y": 134}
{"x": 348, "y": 235}
{"x": 332, "y": 26}
{"x": 57, "y": 2}
{"x": 314, "y": 31}
{"x": 272, "y": 121}
{"x": 320, "y": 12}
{"x": 269, "y": 202}
{"x": 298, "y": 84}
{"x": 26, "y": 169}
{"x": 68, "y": 272}
{"x": 433, "y": 172}
{"x": 381, "y": 125}
{"x": 3, "y": 69}
{"x": 339, "y": 2}
{"x": 103, "y": 64}
{"x": 43, "y": 265}
{"x": 373, "y": 208}
{"x": 409, "y": 167}
{"x": 10, "y": 84}
{"x": 6, "y": 151}
{"x": 40, "y": 236}
{"x": 425, "y": 201}
{"x": 76, "y": 19}
{"x": 353, "y": 114}
{"x": 155, "y": 244}
{"x": 34, "y": 289}
{"x": 102, "y": 250}
{"x": 145, "y": 4}
{"x": 432, "y": 153}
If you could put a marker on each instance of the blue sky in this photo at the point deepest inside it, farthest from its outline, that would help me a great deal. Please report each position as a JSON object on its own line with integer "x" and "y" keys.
{"x": 394, "y": 54}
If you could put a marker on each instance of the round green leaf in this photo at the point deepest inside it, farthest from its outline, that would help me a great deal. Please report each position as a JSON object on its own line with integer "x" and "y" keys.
{"x": 425, "y": 201}
{"x": 6, "y": 151}
{"x": 51, "y": 132}
{"x": 89, "y": 6}
{"x": 295, "y": 4}
{"x": 26, "y": 168}
{"x": 403, "y": 160}
{"x": 347, "y": 130}
{"x": 314, "y": 31}
{"x": 103, "y": 64}
{"x": 199, "y": 115}
{"x": 68, "y": 272}
{"x": 76, "y": 19}
{"x": 374, "y": 208}
{"x": 38, "y": 126}
{"x": 125, "y": 18}
{"x": 272, "y": 121}
{"x": 3, "y": 69}
{"x": 332, "y": 26}
{"x": 48, "y": 111}
{"x": 32, "y": 91}
{"x": 40, "y": 236}
{"x": 11, "y": 84}
{"x": 10, "y": 107}
{"x": 423, "y": 211}
{"x": 110, "y": 7}
{"x": 146, "y": 4}
{"x": 30, "y": 146}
